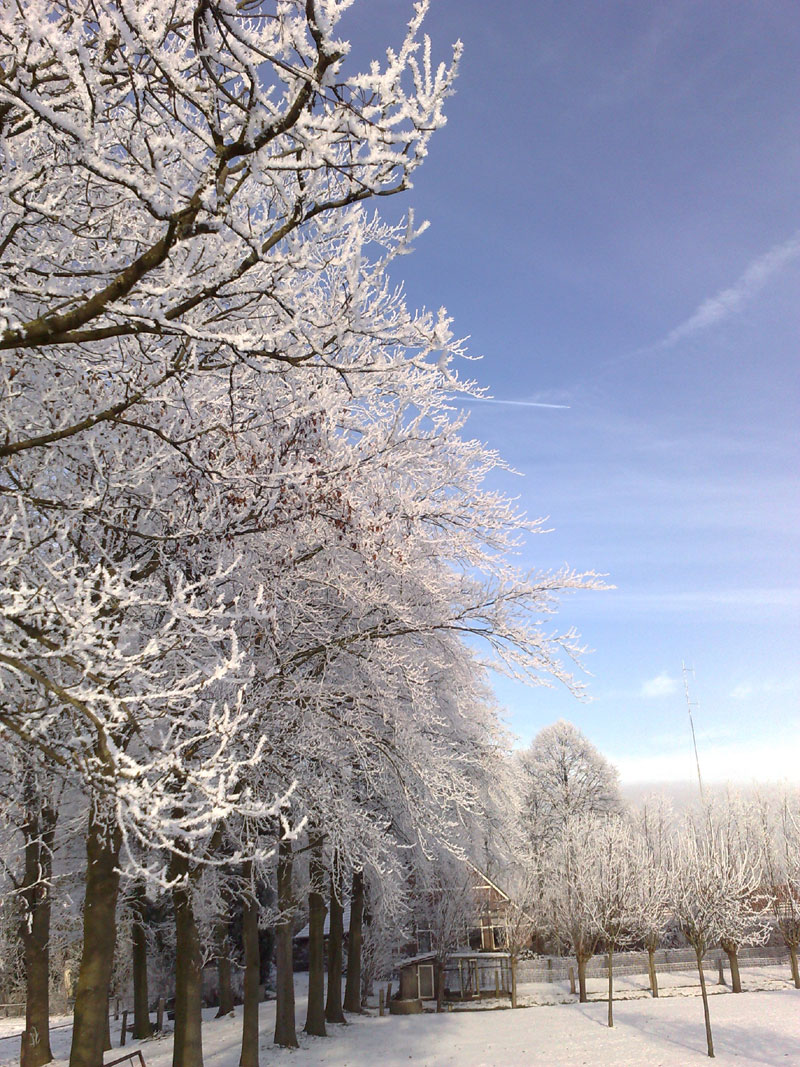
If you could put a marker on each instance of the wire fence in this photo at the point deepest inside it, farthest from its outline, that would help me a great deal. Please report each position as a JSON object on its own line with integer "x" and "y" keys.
{"x": 669, "y": 960}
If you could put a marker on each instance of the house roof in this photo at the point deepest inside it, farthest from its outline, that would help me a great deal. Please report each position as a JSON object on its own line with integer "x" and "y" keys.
{"x": 303, "y": 935}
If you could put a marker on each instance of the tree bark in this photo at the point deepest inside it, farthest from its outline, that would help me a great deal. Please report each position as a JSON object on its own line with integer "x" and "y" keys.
{"x": 333, "y": 1004}
{"x": 107, "y": 1046}
{"x": 141, "y": 1000}
{"x": 582, "y": 960}
{"x": 188, "y": 1047}
{"x": 252, "y": 974}
{"x": 513, "y": 980}
{"x": 90, "y": 1020}
{"x": 651, "y": 963}
{"x": 315, "y": 1016}
{"x": 795, "y": 968}
{"x": 439, "y": 984}
{"x": 352, "y": 989}
{"x": 39, "y": 833}
{"x": 706, "y": 1014}
{"x": 731, "y": 951}
{"x": 285, "y": 1032}
{"x": 225, "y": 1006}
{"x": 610, "y": 985}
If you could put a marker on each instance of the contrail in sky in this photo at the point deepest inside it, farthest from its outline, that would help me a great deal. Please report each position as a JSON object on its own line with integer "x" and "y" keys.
{"x": 728, "y": 301}
{"x": 520, "y": 403}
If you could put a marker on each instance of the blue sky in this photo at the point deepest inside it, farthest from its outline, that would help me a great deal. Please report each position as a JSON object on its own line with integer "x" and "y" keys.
{"x": 615, "y": 222}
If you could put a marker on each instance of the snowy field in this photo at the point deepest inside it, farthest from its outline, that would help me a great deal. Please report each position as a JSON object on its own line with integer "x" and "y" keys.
{"x": 758, "y": 1028}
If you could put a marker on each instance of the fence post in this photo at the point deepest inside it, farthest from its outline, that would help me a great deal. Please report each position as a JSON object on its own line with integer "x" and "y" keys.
{"x": 572, "y": 980}
{"x": 160, "y": 1015}
{"x": 124, "y": 1032}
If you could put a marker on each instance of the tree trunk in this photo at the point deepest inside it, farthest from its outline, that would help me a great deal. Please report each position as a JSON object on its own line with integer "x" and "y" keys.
{"x": 188, "y": 1047}
{"x": 90, "y": 1019}
{"x": 225, "y": 1006}
{"x": 352, "y": 989}
{"x": 795, "y": 969}
{"x": 513, "y": 980}
{"x": 709, "y": 1040}
{"x": 107, "y": 1046}
{"x": 582, "y": 960}
{"x": 39, "y": 832}
{"x": 285, "y": 1033}
{"x": 731, "y": 951}
{"x": 141, "y": 1000}
{"x": 610, "y": 985}
{"x": 333, "y": 1004}
{"x": 439, "y": 984}
{"x": 315, "y": 1016}
{"x": 651, "y": 963}
{"x": 252, "y": 974}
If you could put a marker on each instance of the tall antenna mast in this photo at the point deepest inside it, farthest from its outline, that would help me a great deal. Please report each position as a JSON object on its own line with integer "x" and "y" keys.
{"x": 689, "y": 706}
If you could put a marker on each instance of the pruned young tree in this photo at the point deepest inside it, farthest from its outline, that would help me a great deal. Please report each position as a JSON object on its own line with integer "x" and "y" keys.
{"x": 776, "y": 834}
{"x": 650, "y": 900}
{"x": 611, "y": 889}
{"x": 714, "y": 892}
{"x": 569, "y": 901}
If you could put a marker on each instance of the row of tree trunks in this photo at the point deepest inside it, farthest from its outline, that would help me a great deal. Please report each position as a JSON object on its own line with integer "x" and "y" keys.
{"x": 39, "y": 833}
{"x": 91, "y": 1035}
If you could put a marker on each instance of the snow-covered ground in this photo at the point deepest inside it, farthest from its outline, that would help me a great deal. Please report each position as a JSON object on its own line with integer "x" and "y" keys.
{"x": 756, "y": 1028}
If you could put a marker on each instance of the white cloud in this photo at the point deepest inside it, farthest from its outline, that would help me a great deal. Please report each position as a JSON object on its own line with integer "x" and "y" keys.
{"x": 742, "y": 692}
{"x": 661, "y": 686}
{"x": 739, "y": 761}
{"x": 728, "y": 301}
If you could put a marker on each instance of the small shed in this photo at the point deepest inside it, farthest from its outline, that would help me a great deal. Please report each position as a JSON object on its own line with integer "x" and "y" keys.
{"x": 418, "y": 977}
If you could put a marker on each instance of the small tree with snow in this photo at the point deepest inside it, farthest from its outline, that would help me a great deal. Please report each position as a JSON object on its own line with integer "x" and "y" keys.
{"x": 650, "y": 899}
{"x": 569, "y": 895}
{"x": 777, "y": 832}
{"x": 610, "y": 890}
{"x": 714, "y": 894}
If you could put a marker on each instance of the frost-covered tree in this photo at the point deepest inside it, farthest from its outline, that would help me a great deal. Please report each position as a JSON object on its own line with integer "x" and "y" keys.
{"x": 776, "y": 840}
{"x": 715, "y": 893}
{"x": 245, "y": 538}
{"x": 570, "y": 897}
{"x": 611, "y": 888}
{"x": 563, "y": 774}
{"x": 650, "y": 899}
